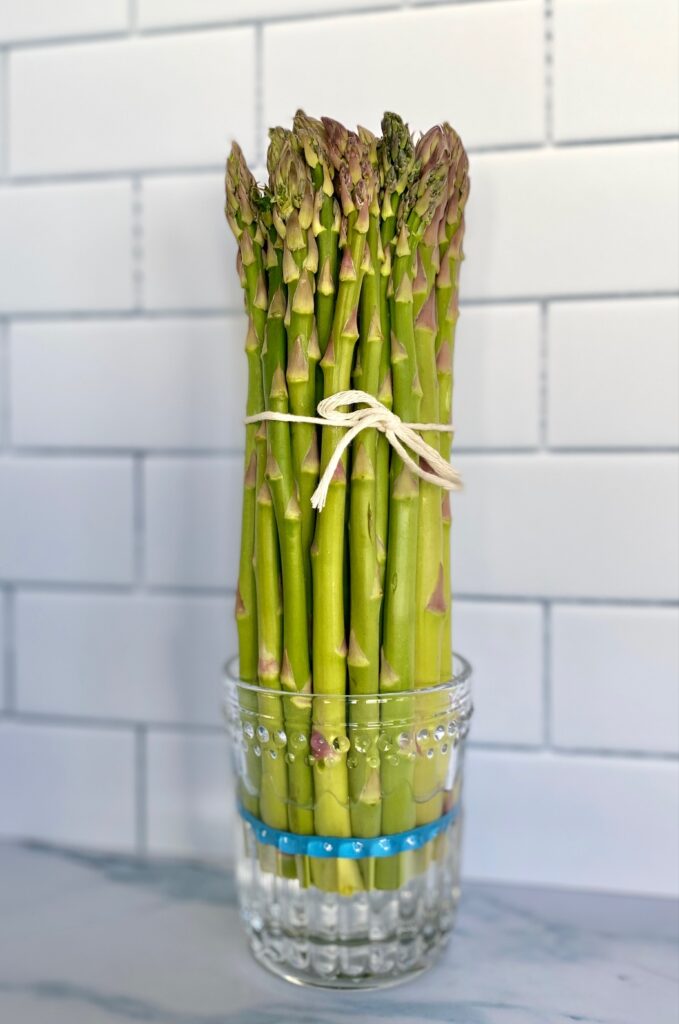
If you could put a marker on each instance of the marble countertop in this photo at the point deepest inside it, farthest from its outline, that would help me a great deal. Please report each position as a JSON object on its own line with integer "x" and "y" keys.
{"x": 95, "y": 939}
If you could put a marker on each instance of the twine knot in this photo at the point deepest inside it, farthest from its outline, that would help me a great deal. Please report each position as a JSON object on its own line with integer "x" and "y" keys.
{"x": 403, "y": 437}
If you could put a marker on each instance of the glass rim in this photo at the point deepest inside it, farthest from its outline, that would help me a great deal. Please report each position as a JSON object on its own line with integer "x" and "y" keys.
{"x": 459, "y": 682}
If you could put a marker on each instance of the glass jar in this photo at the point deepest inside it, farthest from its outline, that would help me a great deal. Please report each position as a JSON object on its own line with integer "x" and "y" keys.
{"x": 348, "y": 851}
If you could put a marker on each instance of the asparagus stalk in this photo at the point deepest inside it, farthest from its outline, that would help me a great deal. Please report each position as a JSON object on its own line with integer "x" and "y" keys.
{"x": 326, "y": 221}
{"x": 274, "y": 787}
{"x": 240, "y": 190}
{"x": 329, "y": 739}
{"x": 366, "y": 587}
{"x": 447, "y": 283}
{"x": 293, "y": 213}
{"x": 400, "y": 621}
{"x": 432, "y": 599}
{"x": 397, "y": 168}
{"x": 241, "y": 218}
{"x": 398, "y": 655}
{"x": 431, "y": 766}
{"x": 295, "y": 672}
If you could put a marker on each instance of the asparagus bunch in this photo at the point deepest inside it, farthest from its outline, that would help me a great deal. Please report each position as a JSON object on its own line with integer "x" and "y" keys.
{"x": 349, "y": 258}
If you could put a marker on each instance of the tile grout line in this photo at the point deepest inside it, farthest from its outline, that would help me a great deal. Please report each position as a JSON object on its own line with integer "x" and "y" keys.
{"x": 548, "y": 70}
{"x": 141, "y": 788}
{"x": 132, "y": 18}
{"x": 543, "y": 379}
{"x": 599, "y": 753}
{"x": 141, "y": 731}
{"x": 4, "y": 113}
{"x": 228, "y": 312}
{"x": 59, "y": 177}
{"x": 191, "y": 590}
{"x": 260, "y": 128}
{"x": 5, "y": 433}
{"x": 114, "y": 451}
{"x": 132, "y": 27}
{"x": 329, "y": 12}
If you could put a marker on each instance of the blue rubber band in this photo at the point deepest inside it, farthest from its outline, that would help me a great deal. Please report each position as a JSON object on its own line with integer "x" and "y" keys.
{"x": 348, "y": 849}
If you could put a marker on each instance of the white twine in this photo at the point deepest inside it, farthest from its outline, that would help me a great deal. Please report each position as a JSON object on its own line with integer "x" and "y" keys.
{"x": 375, "y": 415}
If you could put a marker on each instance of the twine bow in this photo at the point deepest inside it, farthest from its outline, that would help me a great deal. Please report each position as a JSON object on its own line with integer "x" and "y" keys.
{"x": 403, "y": 437}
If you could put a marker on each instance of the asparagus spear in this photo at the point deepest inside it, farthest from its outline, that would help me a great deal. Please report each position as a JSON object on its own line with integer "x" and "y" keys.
{"x": 326, "y": 221}
{"x": 240, "y": 191}
{"x": 274, "y": 787}
{"x": 397, "y": 170}
{"x": 241, "y": 217}
{"x": 293, "y": 213}
{"x": 431, "y": 766}
{"x": 399, "y": 634}
{"x": 366, "y": 587}
{"x": 329, "y": 740}
{"x": 295, "y": 674}
{"x": 432, "y": 599}
{"x": 447, "y": 282}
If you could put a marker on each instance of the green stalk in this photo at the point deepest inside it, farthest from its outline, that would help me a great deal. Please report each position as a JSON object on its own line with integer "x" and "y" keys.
{"x": 327, "y": 556}
{"x": 366, "y": 589}
{"x": 274, "y": 787}
{"x": 397, "y": 498}
{"x": 431, "y": 597}
{"x": 329, "y": 739}
{"x": 246, "y": 608}
{"x": 293, "y": 212}
{"x": 398, "y": 655}
{"x": 400, "y": 613}
{"x": 326, "y": 220}
{"x": 303, "y": 357}
{"x": 447, "y": 283}
{"x": 295, "y": 673}
{"x": 397, "y": 165}
{"x": 240, "y": 190}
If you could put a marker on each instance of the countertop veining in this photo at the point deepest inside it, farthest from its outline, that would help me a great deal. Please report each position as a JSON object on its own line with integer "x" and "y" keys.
{"x": 87, "y": 938}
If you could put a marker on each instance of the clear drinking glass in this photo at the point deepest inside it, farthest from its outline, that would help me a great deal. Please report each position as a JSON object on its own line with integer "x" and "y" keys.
{"x": 348, "y": 854}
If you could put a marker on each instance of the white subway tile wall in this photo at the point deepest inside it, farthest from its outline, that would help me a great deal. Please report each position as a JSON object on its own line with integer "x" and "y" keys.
{"x": 495, "y": 96}
{"x": 188, "y": 252}
{"x": 614, "y": 678}
{"x": 562, "y": 221}
{"x": 497, "y": 377}
{"x": 193, "y": 521}
{"x": 66, "y": 784}
{"x": 503, "y": 642}
{"x": 598, "y": 526}
{"x": 122, "y": 384}
{"x": 66, "y": 520}
{"x": 148, "y": 658}
{"x": 546, "y": 818}
{"x": 629, "y": 396}
{"x": 180, "y": 383}
{"x": 616, "y": 68}
{"x": 65, "y": 248}
{"x": 149, "y": 103}
{"x": 190, "y": 807}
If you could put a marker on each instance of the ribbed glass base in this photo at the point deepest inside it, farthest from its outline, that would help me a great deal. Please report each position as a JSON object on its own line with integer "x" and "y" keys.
{"x": 304, "y": 930}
